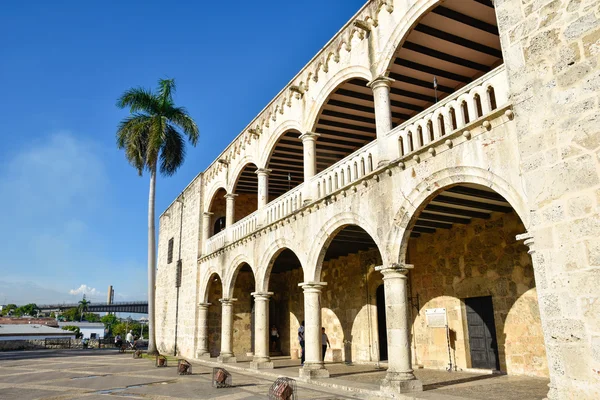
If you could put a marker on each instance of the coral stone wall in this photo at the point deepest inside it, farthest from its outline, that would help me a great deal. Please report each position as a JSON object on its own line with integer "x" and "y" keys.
{"x": 242, "y": 314}
{"x": 286, "y": 308}
{"x": 214, "y": 318}
{"x": 479, "y": 259}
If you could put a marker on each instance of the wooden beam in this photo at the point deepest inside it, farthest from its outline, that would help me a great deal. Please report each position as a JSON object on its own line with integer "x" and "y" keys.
{"x": 444, "y": 218}
{"x": 446, "y": 57}
{"x": 431, "y": 70}
{"x": 467, "y": 20}
{"x": 419, "y": 82}
{"x": 484, "y": 194}
{"x": 457, "y": 211}
{"x": 458, "y": 40}
{"x": 470, "y": 203}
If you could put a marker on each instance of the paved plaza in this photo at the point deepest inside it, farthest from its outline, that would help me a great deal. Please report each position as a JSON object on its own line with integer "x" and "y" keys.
{"x": 106, "y": 374}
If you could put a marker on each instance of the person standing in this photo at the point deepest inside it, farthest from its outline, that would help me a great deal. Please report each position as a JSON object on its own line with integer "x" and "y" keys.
{"x": 301, "y": 340}
{"x": 274, "y": 338}
{"x": 324, "y": 342}
{"x": 129, "y": 337}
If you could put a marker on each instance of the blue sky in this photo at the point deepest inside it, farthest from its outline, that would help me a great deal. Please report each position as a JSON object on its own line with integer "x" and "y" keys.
{"x": 73, "y": 211}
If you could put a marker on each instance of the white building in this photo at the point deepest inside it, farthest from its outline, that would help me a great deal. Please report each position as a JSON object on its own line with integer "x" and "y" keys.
{"x": 33, "y": 332}
{"x": 90, "y": 330}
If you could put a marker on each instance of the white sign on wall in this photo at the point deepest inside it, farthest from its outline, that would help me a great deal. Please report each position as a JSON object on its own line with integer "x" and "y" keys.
{"x": 436, "y": 317}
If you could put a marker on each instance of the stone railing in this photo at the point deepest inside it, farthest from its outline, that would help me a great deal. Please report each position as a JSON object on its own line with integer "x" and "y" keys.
{"x": 284, "y": 205}
{"x": 215, "y": 242}
{"x": 244, "y": 226}
{"x": 470, "y": 103}
{"x": 345, "y": 171}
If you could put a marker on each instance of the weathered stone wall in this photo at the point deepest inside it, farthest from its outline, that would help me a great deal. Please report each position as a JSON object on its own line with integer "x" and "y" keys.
{"x": 168, "y": 304}
{"x": 287, "y": 308}
{"x": 479, "y": 259}
{"x": 245, "y": 204}
{"x": 551, "y": 53}
{"x": 242, "y": 314}
{"x": 349, "y": 313}
{"x": 214, "y": 317}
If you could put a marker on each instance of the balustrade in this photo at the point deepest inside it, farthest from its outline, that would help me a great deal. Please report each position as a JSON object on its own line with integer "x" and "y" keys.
{"x": 245, "y": 226}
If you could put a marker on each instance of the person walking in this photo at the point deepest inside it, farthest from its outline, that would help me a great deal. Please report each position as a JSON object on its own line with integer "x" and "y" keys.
{"x": 301, "y": 340}
{"x": 324, "y": 342}
{"x": 129, "y": 338}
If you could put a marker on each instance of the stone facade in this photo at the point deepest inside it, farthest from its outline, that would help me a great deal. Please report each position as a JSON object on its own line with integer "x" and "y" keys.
{"x": 532, "y": 138}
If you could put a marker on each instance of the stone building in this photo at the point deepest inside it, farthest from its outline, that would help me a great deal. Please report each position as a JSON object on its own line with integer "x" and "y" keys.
{"x": 426, "y": 188}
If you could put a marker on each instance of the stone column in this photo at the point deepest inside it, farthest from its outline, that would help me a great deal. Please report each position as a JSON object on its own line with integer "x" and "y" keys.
{"x": 261, "y": 331}
{"x": 383, "y": 114}
{"x": 400, "y": 377}
{"x": 263, "y": 186}
{"x": 206, "y": 225}
{"x": 229, "y": 215}
{"x": 202, "y": 351}
{"x": 313, "y": 364}
{"x": 227, "y": 355}
{"x": 309, "y": 143}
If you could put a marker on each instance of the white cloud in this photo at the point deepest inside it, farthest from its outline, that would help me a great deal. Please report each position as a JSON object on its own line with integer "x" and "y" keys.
{"x": 85, "y": 289}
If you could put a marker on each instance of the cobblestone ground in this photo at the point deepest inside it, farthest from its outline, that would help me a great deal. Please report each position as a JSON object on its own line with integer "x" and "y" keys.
{"x": 106, "y": 374}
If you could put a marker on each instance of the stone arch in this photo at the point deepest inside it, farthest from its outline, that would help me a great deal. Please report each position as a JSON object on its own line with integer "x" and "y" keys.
{"x": 438, "y": 182}
{"x": 284, "y": 127}
{"x": 265, "y": 264}
{"x": 232, "y": 272}
{"x": 215, "y": 187}
{"x": 240, "y": 165}
{"x": 343, "y": 75}
{"x": 327, "y": 234}
{"x": 205, "y": 283}
{"x": 401, "y": 32}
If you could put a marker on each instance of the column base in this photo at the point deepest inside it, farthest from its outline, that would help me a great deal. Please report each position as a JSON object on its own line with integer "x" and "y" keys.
{"x": 261, "y": 363}
{"x": 313, "y": 371}
{"x": 203, "y": 354}
{"x": 227, "y": 359}
{"x": 401, "y": 382}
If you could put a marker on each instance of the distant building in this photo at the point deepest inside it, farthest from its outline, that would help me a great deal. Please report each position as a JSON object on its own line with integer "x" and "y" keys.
{"x": 32, "y": 332}
{"x": 28, "y": 320}
{"x": 89, "y": 330}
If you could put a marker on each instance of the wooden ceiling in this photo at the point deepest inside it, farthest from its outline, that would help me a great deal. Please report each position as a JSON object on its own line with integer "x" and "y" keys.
{"x": 456, "y": 42}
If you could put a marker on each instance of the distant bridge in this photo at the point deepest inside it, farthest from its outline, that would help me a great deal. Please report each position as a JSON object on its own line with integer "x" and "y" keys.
{"x": 137, "y": 307}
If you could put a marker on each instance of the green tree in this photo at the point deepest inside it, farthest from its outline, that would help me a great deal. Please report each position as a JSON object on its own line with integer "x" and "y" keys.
{"x": 152, "y": 132}
{"x": 9, "y": 309}
{"x": 109, "y": 322}
{"x": 91, "y": 317}
{"x": 52, "y": 315}
{"x": 83, "y": 307}
{"x": 30, "y": 309}
{"x": 71, "y": 314}
{"x": 75, "y": 329}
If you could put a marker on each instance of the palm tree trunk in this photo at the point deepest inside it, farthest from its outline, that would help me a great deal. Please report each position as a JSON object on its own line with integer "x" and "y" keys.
{"x": 151, "y": 262}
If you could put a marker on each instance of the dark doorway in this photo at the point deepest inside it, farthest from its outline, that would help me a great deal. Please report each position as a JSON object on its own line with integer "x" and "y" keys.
{"x": 381, "y": 324}
{"x": 482, "y": 333}
{"x": 219, "y": 225}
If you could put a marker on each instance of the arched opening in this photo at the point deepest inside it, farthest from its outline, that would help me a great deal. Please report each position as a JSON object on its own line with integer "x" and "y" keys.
{"x": 381, "y": 323}
{"x": 286, "y": 163}
{"x": 454, "y": 43}
{"x": 442, "y": 125}
{"x": 286, "y": 308}
{"x": 453, "y": 118}
{"x": 430, "y": 131}
{"x": 470, "y": 274}
{"x": 215, "y": 292}
{"x": 246, "y": 188}
{"x": 218, "y": 209}
{"x": 346, "y": 122}
{"x": 492, "y": 97}
{"x": 465, "y": 112}
{"x": 420, "y": 137}
{"x": 478, "y": 105}
{"x": 243, "y": 311}
{"x": 350, "y": 307}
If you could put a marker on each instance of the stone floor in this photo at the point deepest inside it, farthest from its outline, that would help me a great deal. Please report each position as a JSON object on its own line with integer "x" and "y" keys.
{"x": 106, "y": 374}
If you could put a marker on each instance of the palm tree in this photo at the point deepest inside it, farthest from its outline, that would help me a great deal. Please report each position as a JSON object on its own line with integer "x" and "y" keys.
{"x": 83, "y": 307}
{"x": 152, "y": 133}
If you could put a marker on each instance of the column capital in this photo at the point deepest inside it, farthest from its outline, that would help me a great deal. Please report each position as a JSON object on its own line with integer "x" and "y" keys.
{"x": 394, "y": 270}
{"x": 208, "y": 214}
{"x": 309, "y": 136}
{"x": 262, "y": 295}
{"x": 528, "y": 241}
{"x": 381, "y": 81}
{"x": 312, "y": 287}
{"x": 263, "y": 171}
{"x": 230, "y": 196}
{"x": 227, "y": 302}
{"x": 204, "y": 306}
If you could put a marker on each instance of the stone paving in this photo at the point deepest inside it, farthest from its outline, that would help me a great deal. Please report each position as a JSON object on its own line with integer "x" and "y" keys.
{"x": 106, "y": 374}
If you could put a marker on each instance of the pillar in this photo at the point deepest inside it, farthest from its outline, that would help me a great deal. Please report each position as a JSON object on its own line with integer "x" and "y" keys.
{"x": 261, "y": 331}
{"x": 229, "y": 215}
{"x": 313, "y": 364}
{"x": 309, "y": 144}
{"x": 206, "y": 225}
{"x": 263, "y": 186}
{"x": 400, "y": 377}
{"x": 383, "y": 114}
{"x": 202, "y": 351}
{"x": 227, "y": 355}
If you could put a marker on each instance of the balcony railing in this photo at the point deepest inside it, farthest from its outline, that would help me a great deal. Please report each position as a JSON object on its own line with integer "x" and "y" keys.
{"x": 472, "y": 102}
{"x": 346, "y": 171}
{"x": 466, "y": 105}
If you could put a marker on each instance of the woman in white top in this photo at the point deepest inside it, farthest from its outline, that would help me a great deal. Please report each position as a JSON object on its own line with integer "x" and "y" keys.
{"x": 324, "y": 342}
